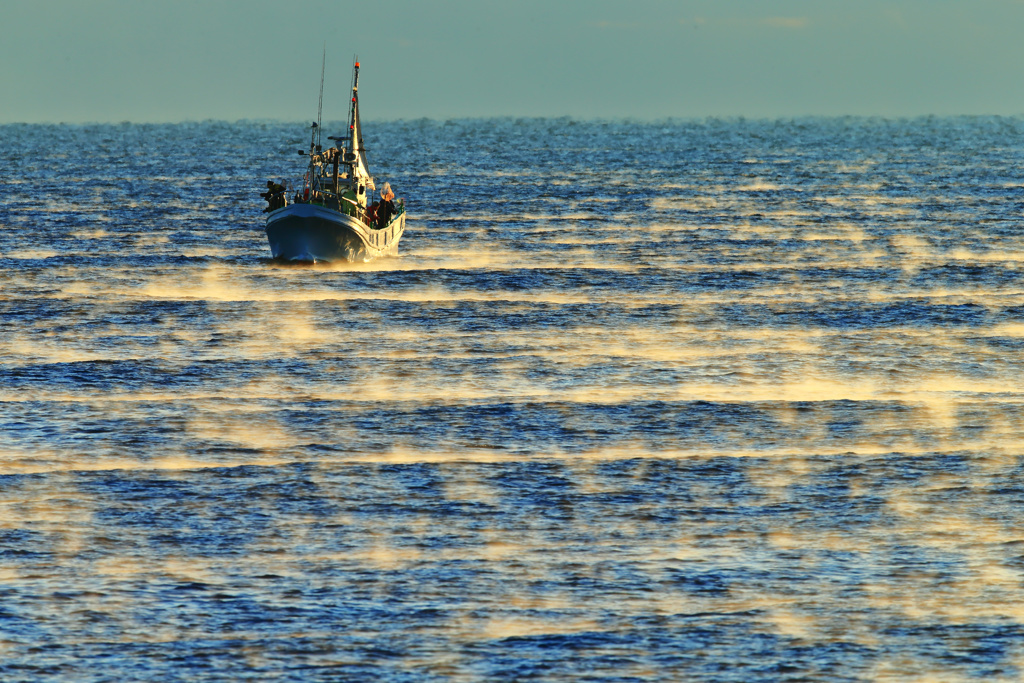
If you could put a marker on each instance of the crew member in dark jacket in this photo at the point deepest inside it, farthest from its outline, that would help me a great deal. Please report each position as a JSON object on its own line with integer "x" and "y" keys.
{"x": 386, "y": 210}
{"x": 274, "y": 196}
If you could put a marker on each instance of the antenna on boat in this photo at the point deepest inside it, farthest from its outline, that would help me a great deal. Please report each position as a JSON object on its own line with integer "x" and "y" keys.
{"x": 320, "y": 105}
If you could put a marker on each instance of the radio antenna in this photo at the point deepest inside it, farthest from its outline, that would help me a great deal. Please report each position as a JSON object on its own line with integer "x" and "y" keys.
{"x": 320, "y": 105}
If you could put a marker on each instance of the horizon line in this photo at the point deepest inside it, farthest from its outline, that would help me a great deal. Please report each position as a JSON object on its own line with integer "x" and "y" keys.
{"x": 514, "y": 117}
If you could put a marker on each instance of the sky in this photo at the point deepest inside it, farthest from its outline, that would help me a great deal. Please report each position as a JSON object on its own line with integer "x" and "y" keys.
{"x": 83, "y": 61}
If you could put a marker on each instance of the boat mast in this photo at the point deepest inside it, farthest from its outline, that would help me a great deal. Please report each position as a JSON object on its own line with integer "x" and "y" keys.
{"x": 312, "y": 182}
{"x": 320, "y": 105}
{"x": 353, "y": 134}
{"x": 352, "y": 106}
{"x": 360, "y": 172}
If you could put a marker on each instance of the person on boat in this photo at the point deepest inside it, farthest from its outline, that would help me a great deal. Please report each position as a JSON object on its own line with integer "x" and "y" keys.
{"x": 280, "y": 198}
{"x": 268, "y": 195}
{"x": 349, "y": 203}
{"x": 371, "y": 213}
{"x": 274, "y": 196}
{"x": 386, "y": 210}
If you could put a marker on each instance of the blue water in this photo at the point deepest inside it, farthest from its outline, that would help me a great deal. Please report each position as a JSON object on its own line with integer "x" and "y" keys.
{"x": 719, "y": 400}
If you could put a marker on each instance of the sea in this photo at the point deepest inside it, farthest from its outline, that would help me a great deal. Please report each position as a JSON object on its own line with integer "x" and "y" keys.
{"x": 716, "y": 400}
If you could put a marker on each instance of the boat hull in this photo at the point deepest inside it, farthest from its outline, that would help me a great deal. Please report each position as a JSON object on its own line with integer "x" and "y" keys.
{"x": 312, "y": 233}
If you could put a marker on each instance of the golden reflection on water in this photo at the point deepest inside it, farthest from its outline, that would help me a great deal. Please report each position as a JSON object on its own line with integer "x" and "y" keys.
{"x": 728, "y": 412}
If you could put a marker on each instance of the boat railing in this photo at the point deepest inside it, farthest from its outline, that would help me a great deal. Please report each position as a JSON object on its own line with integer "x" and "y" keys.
{"x": 349, "y": 206}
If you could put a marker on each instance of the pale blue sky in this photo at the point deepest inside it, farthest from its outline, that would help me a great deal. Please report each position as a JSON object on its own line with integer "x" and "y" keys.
{"x": 139, "y": 60}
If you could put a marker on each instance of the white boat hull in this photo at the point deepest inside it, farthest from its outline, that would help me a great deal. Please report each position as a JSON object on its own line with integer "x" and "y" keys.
{"x": 312, "y": 233}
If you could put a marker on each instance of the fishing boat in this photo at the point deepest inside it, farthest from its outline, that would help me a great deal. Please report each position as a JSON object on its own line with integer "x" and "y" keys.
{"x": 334, "y": 215}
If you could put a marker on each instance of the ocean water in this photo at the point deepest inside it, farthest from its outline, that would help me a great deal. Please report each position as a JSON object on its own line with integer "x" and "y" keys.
{"x": 720, "y": 400}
